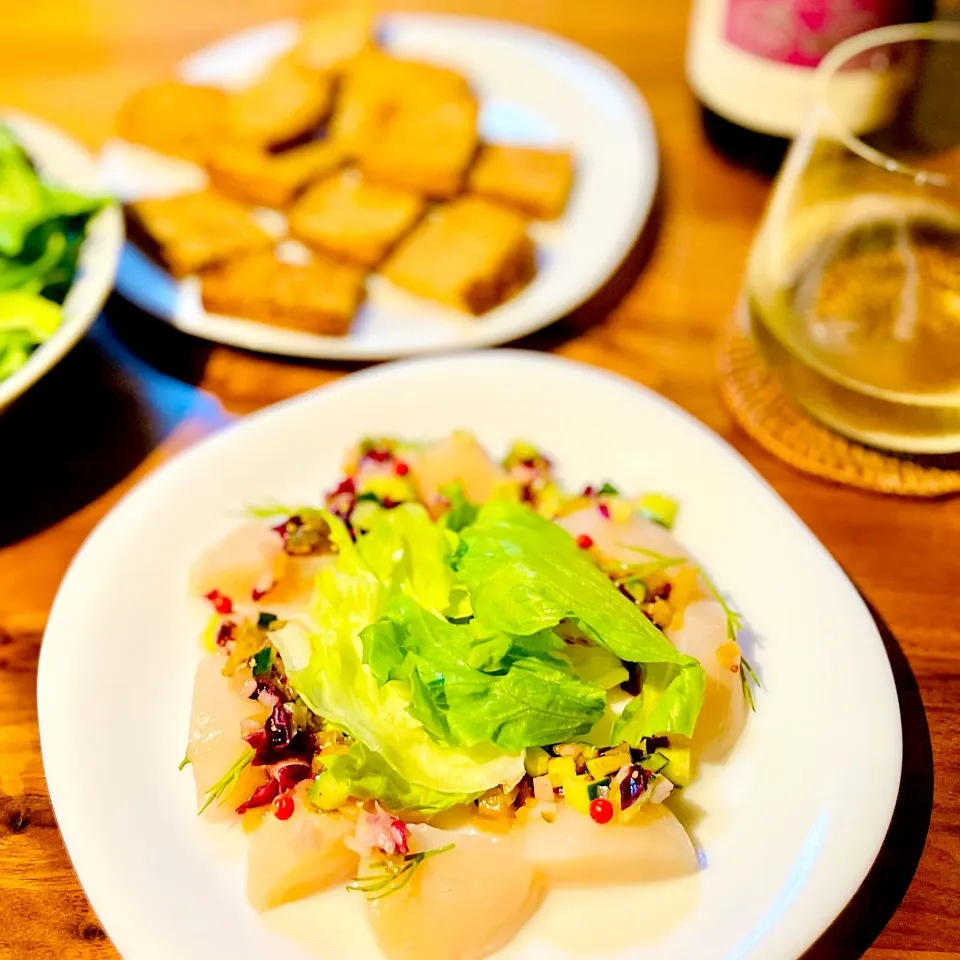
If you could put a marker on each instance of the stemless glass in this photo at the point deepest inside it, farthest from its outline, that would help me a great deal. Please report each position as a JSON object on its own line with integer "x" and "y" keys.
{"x": 853, "y": 284}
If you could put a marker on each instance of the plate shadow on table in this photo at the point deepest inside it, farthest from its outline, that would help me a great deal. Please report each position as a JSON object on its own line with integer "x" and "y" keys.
{"x": 157, "y": 343}
{"x": 85, "y": 426}
{"x": 872, "y": 906}
{"x": 599, "y": 306}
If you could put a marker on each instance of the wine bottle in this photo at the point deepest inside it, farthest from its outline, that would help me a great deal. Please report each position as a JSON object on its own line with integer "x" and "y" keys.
{"x": 751, "y": 65}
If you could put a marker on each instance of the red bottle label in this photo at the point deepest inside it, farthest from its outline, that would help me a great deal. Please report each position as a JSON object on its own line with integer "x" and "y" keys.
{"x": 801, "y": 32}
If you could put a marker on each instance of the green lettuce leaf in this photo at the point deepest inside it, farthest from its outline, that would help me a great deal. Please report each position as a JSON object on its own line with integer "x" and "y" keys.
{"x": 524, "y": 696}
{"x": 27, "y": 202}
{"x": 461, "y": 513}
{"x": 326, "y": 668}
{"x": 28, "y": 313}
{"x": 364, "y": 774}
{"x": 525, "y": 574}
{"x": 26, "y": 321}
{"x": 596, "y": 665}
{"x": 41, "y": 232}
{"x": 670, "y": 703}
{"x": 410, "y": 554}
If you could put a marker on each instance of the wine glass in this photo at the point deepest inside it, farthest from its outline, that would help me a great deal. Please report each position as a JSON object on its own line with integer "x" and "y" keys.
{"x": 853, "y": 284}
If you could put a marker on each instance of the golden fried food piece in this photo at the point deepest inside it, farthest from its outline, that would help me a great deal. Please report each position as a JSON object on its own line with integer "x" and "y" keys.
{"x": 377, "y": 84}
{"x": 351, "y": 218}
{"x": 536, "y": 182}
{"x": 271, "y": 179}
{"x": 470, "y": 254}
{"x": 319, "y": 297}
{"x": 197, "y": 229}
{"x": 178, "y": 119}
{"x": 335, "y": 34}
{"x": 424, "y": 147}
{"x": 287, "y": 103}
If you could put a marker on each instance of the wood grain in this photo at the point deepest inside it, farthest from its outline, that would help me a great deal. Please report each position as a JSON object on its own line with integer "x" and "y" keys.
{"x": 136, "y": 391}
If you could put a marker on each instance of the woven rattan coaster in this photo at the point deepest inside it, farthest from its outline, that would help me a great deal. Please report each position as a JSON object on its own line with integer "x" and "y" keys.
{"x": 772, "y": 419}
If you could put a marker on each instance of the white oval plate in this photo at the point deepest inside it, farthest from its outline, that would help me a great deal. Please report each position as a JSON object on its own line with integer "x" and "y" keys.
{"x": 534, "y": 88}
{"x": 790, "y": 823}
{"x": 60, "y": 159}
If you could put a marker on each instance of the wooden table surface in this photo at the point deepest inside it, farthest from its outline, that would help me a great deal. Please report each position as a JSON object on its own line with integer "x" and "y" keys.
{"x": 135, "y": 391}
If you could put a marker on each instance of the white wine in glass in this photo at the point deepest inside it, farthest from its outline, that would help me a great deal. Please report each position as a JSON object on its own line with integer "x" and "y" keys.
{"x": 853, "y": 285}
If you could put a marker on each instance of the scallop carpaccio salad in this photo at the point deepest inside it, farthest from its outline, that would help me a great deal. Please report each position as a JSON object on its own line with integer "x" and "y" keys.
{"x": 455, "y": 685}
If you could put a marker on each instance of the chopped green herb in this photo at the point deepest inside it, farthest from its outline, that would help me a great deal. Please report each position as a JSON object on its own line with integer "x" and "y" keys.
{"x": 367, "y": 497}
{"x": 262, "y": 661}
{"x": 392, "y": 876}
{"x": 659, "y": 508}
{"x": 608, "y": 490}
{"x": 520, "y": 452}
{"x": 265, "y": 619}
{"x": 221, "y": 789}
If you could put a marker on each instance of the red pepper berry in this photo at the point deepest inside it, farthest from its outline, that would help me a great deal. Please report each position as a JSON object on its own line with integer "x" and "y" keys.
{"x": 283, "y": 807}
{"x": 601, "y": 810}
{"x": 401, "y": 469}
{"x": 220, "y": 603}
{"x": 584, "y": 541}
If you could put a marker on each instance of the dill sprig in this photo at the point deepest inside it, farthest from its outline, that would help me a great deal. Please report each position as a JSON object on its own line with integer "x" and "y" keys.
{"x": 392, "y": 875}
{"x": 631, "y": 573}
{"x": 735, "y": 623}
{"x": 734, "y": 619}
{"x": 221, "y": 789}
{"x": 746, "y": 676}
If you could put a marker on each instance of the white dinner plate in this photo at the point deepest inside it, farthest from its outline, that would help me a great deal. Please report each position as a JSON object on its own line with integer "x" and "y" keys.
{"x": 788, "y": 826}
{"x": 534, "y": 88}
{"x": 64, "y": 161}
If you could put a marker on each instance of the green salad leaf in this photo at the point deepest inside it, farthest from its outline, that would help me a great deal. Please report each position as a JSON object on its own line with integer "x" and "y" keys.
{"x": 328, "y": 672}
{"x": 26, "y": 321}
{"x": 42, "y": 228}
{"x": 26, "y": 201}
{"x": 409, "y": 554}
{"x": 462, "y": 512}
{"x": 596, "y": 665}
{"x": 670, "y": 702}
{"x": 525, "y": 574}
{"x": 523, "y": 697}
{"x": 361, "y": 773}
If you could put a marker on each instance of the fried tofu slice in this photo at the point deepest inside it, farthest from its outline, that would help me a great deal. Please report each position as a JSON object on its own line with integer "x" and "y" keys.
{"x": 174, "y": 118}
{"x": 335, "y": 34}
{"x": 285, "y": 104}
{"x": 424, "y": 147}
{"x": 377, "y": 84}
{"x": 351, "y": 218}
{"x": 271, "y": 179}
{"x": 536, "y": 182}
{"x": 470, "y": 254}
{"x": 319, "y": 297}
{"x": 194, "y": 230}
